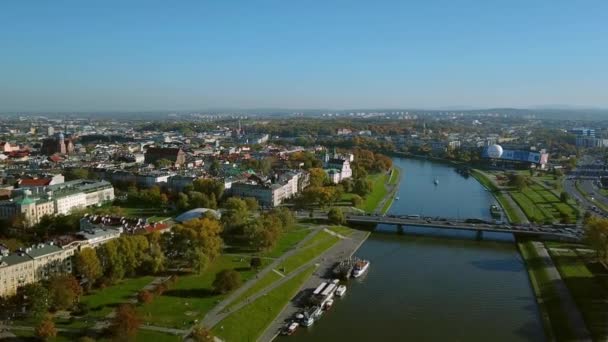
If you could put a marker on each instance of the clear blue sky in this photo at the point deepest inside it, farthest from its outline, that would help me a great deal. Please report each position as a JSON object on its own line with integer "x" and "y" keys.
{"x": 128, "y": 55}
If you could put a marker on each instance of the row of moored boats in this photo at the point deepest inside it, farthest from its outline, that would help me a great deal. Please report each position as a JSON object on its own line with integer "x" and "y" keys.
{"x": 322, "y": 299}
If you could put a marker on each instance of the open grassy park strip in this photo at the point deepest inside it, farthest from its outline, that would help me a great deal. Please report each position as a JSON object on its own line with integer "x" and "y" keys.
{"x": 191, "y": 296}
{"x": 379, "y": 191}
{"x": 539, "y": 201}
{"x": 310, "y": 250}
{"x": 541, "y": 205}
{"x": 313, "y": 248}
{"x": 587, "y": 281}
{"x": 501, "y": 197}
{"x": 555, "y": 320}
{"x": 248, "y": 323}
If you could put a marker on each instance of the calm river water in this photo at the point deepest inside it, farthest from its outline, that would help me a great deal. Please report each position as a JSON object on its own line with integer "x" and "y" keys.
{"x": 434, "y": 285}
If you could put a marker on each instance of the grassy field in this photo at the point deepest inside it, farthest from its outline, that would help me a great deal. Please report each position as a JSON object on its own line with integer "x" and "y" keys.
{"x": 288, "y": 241}
{"x": 261, "y": 284}
{"x": 588, "y": 286}
{"x": 511, "y": 213}
{"x": 540, "y": 204}
{"x": 156, "y": 336}
{"x": 103, "y": 301}
{"x": 313, "y": 248}
{"x": 191, "y": 296}
{"x": 555, "y": 320}
{"x": 310, "y": 250}
{"x": 248, "y": 323}
{"x": 371, "y": 201}
{"x": 484, "y": 180}
{"x": 342, "y": 230}
{"x": 394, "y": 176}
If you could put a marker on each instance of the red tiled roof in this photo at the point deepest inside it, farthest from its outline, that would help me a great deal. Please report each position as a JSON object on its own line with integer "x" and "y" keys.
{"x": 35, "y": 181}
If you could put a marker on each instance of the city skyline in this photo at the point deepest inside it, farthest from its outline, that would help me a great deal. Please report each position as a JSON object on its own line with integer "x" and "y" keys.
{"x": 67, "y": 56}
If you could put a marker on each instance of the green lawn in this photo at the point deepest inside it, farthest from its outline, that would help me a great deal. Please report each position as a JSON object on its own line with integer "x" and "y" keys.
{"x": 394, "y": 176}
{"x": 288, "y": 241}
{"x": 191, "y": 297}
{"x": 248, "y": 323}
{"x": 510, "y": 211}
{"x": 262, "y": 283}
{"x": 342, "y": 230}
{"x": 555, "y": 320}
{"x": 589, "y": 292}
{"x": 156, "y": 336}
{"x": 371, "y": 201}
{"x": 482, "y": 178}
{"x": 103, "y": 301}
{"x": 540, "y": 204}
{"x": 310, "y": 250}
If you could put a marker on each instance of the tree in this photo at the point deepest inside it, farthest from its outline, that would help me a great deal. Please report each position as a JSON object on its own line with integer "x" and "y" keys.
{"x": 252, "y": 203}
{"x": 183, "y": 202}
{"x": 64, "y": 291}
{"x": 88, "y": 266}
{"x": 125, "y": 323}
{"x": 336, "y": 216}
{"x": 209, "y": 186}
{"x": 145, "y": 296}
{"x": 226, "y": 281}
{"x": 76, "y": 173}
{"x": 518, "y": 181}
{"x": 356, "y": 200}
{"x": 596, "y": 234}
{"x": 34, "y": 298}
{"x": 202, "y": 334}
{"x": 362, "y": 186}
{"x": 263, "y": 234}
{"x": 286, "y": 217}
{"x": 197, "y": 259}
{"x": 317, "y": 177}
{"x": 236, "y": 214}
{"x": 215, "y": 168}
{"x": 255, "y": 263}
{"x": 203, "y": 233}
{"x": 111, "y": 260}
{"x": 564, "y": 197}
{"x": 163, "y": 163}
{"x": 46, "y": 329}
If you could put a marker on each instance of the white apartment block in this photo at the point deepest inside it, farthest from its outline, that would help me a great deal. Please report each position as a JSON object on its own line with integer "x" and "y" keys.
{"x": 32, "y": 264}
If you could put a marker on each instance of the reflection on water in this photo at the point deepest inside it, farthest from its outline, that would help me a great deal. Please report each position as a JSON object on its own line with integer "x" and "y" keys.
{"x": 434, "y": 284}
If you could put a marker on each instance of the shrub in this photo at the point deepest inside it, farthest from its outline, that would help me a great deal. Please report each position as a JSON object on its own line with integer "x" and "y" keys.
{"x": 145, "y": 297}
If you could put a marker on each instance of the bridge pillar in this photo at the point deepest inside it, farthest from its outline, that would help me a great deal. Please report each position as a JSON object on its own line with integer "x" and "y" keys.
{"x": 400, "y": 229}
{"x": 479, "y": 235}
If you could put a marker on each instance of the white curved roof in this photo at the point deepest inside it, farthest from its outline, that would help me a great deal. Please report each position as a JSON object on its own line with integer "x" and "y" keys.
{"x": 196, "y": 213}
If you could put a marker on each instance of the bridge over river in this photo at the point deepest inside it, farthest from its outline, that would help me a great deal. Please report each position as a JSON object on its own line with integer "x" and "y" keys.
{"x": 572, "y": 233}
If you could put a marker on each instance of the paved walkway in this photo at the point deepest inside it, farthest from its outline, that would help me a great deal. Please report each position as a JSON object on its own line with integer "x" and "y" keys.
{"x": 575, "y": 319}
{"x": 342, "y": 250}
{"x": 211, "y": 318}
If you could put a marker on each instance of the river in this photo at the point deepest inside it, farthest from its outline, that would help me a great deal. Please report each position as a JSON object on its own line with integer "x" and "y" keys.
{"x": 431, "y": 284}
